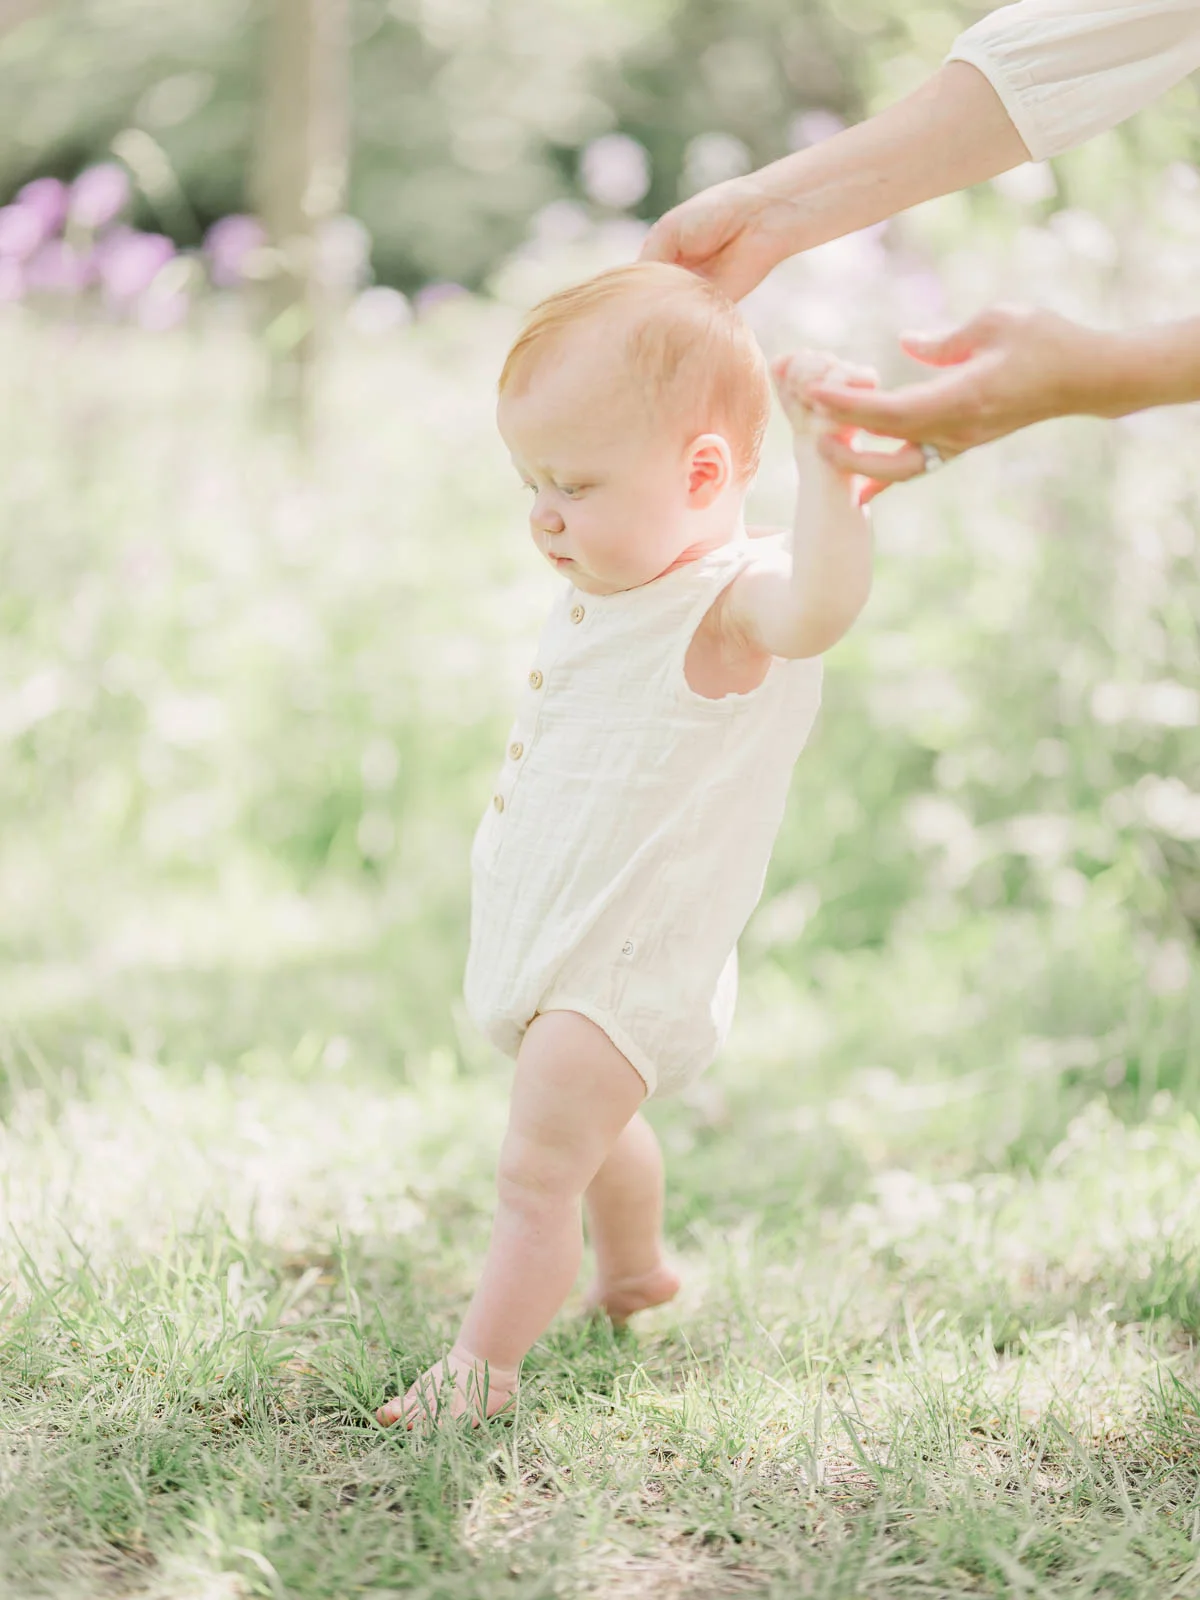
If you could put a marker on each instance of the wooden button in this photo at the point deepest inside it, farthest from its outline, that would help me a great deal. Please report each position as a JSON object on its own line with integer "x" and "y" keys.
{"x": 498, "y": 801}
{"x": 577, "y": 613}
{"x": 535, "y": 679}
{"x": 516, "y": 750}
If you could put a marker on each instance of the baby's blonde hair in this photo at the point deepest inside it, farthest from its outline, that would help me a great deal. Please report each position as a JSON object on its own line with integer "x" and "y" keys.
{"x": 686, "y": 343}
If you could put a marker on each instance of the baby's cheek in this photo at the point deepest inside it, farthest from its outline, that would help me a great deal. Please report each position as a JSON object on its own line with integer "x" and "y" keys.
{"x": 634, "y": 551}
{"x": 605, "y": 537}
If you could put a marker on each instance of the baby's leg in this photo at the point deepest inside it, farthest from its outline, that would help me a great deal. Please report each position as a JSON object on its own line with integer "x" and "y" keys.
{"x": 624, "y": 1204}
{"x": 572, "y": 1095}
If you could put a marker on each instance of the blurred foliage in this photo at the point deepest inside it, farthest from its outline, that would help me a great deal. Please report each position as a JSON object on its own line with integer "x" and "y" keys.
{"x": 470, "y": 115}
{"x": 249, "y": 715}
{"x": 76, "y": 74}
{"x": 250, "y": 711}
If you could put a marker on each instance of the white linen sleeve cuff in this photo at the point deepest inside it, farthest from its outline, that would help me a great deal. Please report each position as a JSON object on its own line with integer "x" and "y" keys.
{"x": 1066, "y": 70}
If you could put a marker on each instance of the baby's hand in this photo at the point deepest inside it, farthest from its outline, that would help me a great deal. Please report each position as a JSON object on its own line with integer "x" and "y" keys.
{"x": 794, "y": 373}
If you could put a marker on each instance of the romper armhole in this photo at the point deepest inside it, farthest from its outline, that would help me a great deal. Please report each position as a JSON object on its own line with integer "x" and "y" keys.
{"x": 695, "y": 616}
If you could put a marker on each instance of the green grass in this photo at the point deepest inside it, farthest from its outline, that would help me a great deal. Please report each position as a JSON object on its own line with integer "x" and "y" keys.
{"x": 936, "y": 1205}
{"x": 984, "y": 1385}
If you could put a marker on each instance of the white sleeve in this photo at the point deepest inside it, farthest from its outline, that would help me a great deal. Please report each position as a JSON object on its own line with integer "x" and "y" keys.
{"x": 1066, "y": 70}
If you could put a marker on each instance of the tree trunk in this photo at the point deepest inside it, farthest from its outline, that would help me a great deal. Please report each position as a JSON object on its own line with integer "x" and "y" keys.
{"x": 300, "y": 183}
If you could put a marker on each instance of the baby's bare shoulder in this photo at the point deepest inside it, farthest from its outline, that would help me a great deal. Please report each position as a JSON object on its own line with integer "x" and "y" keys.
{"x": 764, "y": 580}
{"x": 724, "y": 657}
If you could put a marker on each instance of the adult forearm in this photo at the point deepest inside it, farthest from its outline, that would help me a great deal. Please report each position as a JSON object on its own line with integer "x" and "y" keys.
{"x": 951, "y": 132}
{"x": 1143, "y": 367}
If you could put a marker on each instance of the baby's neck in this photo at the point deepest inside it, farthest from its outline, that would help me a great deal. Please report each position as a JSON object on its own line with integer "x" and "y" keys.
{"x": 728, "y": 531}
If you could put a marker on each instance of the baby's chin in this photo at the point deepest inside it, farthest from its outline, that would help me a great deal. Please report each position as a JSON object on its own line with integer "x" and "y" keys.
{"x": 588, "y": 582}
{"x": 591, "y": 583}
{"x": 614, "y": 579}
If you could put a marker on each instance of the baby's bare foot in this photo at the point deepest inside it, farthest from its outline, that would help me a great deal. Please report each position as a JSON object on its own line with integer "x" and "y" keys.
{"x": 619, "y": 1298}
{"x": 793, "y": 373}
{"x": 457, "y": 1385}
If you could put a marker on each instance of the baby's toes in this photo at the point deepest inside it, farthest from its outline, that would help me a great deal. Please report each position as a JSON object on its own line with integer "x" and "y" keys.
{"x": 448, "y": 1391}
{"x": 418, "y": 1403}
{"x": 390, "y": 1412}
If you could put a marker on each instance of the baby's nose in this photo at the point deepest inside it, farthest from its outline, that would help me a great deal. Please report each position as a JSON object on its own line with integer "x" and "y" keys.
{"x": 548, "y": 522}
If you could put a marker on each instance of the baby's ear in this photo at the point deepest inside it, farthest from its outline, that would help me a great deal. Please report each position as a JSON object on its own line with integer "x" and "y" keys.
{"x": 709, "y": 468}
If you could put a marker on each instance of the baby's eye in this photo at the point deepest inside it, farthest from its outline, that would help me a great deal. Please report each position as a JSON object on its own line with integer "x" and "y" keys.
{"x": 573, "y": 489}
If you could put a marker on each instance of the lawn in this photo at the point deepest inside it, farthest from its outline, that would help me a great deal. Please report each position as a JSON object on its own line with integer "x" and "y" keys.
{"x": 936, "y": 1206}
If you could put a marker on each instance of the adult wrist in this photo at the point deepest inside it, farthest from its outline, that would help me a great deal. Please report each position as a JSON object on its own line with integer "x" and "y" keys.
{"x": 778, "y": 209}
{"x": 807, "y": 200}
{"x": 1102, "y": 372}
{"x": 1154, "y": 366}
{"x": 1096, "y": 375}
{"x": 1118, "y": 376}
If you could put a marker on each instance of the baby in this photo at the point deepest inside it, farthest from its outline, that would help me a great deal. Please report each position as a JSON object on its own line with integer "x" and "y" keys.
{"x": 625, "y": 847}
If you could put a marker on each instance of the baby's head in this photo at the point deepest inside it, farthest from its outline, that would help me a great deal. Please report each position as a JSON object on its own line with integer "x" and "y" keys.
{"x": 634, "y": 407}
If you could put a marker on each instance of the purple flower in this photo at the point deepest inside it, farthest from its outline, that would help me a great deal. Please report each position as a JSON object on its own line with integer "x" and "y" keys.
{"x": 811, "y": 127}
{"x": 227, "y": 245}
{"x": 713, "y": 158}
{"x": 159, "y": 312}
{"x": 129, "y": 262}
{"x": 379, "y": 310}
{"x": 561, "y": 222}
{"x": 98, "y": 195}
{"x": 615, "y": 170}
{"x": 57, "y": 268}
{"x": 20, "y": 232}
{"x": 436, "y": 294}
{"x": 47, "y": 199}
{"x": 921, "y": 298}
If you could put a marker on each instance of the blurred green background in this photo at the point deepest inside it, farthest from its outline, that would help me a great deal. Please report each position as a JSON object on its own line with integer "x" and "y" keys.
{"x": 468, "y": 115}
{"x": 232, "y": 681}
{"x": 251, "y": 702}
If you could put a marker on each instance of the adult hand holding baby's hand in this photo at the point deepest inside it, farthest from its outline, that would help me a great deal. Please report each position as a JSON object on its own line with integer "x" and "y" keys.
{"x": 1004, "y": 370}
{"x": 795, "y": 376}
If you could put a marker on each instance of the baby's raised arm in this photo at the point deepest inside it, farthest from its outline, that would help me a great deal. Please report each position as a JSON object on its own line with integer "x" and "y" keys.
{"x": 803, "y": 605}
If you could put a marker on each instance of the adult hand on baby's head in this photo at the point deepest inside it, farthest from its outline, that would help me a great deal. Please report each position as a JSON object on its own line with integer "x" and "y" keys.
{"x": 1005, "y": 369}
{"x": 731, "y": 234}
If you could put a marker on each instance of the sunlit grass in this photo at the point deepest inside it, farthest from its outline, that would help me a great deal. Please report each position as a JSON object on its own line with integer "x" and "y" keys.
{"x": 982, "y": 1382}
{"x": 936, "y": 1205}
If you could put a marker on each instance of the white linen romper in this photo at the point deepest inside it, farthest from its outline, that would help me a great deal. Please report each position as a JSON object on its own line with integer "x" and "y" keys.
{"x": 628, "y": 838}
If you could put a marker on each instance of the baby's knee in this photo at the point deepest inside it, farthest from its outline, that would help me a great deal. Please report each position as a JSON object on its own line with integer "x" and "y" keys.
{"x": 534, "y": 1176}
